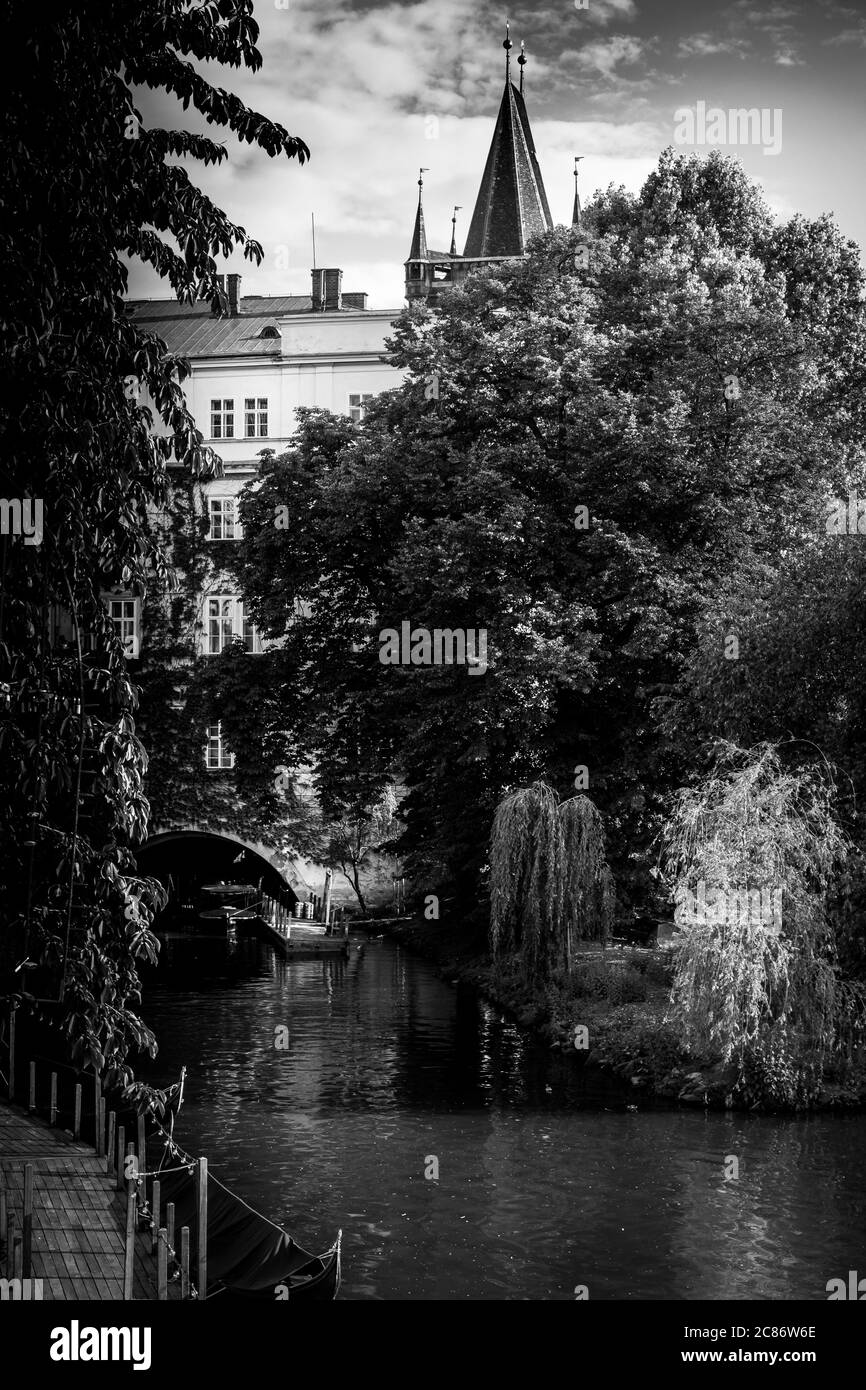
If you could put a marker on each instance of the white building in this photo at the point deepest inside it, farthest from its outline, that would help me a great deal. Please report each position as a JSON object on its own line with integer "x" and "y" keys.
{"x": 252, "y": 367}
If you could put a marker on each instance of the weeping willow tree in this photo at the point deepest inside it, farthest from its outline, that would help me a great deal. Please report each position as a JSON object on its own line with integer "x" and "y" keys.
{"x": 751, "y": 856}
{"x": 588, "y": 895}
{"x": 549, "y": 882}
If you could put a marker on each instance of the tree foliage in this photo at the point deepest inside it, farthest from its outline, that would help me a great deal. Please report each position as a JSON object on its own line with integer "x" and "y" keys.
{"x": 549, "y": 883}
{"x": 86, "y": 185}
{"x": 693, "y": 391}
{"x": 753, "y": 984}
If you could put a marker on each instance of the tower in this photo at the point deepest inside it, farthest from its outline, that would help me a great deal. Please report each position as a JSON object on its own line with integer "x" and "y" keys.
{"x": 510, "y": 209}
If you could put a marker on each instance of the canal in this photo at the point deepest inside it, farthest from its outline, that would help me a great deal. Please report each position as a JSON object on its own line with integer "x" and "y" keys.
{"x": 547, "y": 1181}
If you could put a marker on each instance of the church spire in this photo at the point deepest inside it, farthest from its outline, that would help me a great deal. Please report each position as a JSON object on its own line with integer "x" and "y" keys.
{"x": 419, "y": 236}
{"x": 512, "y": 205}
{"x": 453, "y": 251}
{"x": 575, "y": 216}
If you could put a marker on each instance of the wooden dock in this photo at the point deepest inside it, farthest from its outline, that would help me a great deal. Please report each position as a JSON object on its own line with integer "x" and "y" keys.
{"x": 79, "y": 1214}
{"x": 291, "y": 941}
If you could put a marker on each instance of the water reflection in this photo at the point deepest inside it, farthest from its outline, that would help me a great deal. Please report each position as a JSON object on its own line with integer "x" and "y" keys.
{"x": 546, "y": 1180}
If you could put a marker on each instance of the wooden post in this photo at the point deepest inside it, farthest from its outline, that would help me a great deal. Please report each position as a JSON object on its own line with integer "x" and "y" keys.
{"x": 130, "y": 1153}
{"x": 16, "y": 1258}
{"x": 31, "y": 1102}
{"x": 11, "y": 1054}
{"x": 184, "y": 1261}
{"x": 76, "y": 1122}
{"x": 4, "y": 1218}
{"x": 169, "y": 1224}
{"x": 162, "y": 1266}
{"x": 53, "y": 1107}
{"x": 141, "y": 1145}
{"x": 27, "y": 1250}
{"x": 154, "y": 1201}
{"x": 118, "y": 1157}
{"x": 201, "y": 1227}
{"x": 326, "y": 900}
{"x": 99, "y": 1115}
{"x": 109, "y": 1145}
{"x": 129, "y": 1250}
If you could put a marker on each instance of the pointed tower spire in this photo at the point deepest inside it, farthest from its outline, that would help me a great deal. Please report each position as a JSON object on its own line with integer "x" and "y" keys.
{"x": 418, "y": 251}
{"x": 512, "y": 205}
{"x": 575, "y": 216}
{"x": 522, "y": 61}
{"x": 453, "y": 251}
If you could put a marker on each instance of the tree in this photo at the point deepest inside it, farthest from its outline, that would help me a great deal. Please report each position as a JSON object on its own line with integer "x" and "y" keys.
{"x": 87, "y": 184}
{"x": 751, "y": 857}
{"x": 549, "y": 882}
{"x": 357, "y": 834}
{"x": 608, "y": 445}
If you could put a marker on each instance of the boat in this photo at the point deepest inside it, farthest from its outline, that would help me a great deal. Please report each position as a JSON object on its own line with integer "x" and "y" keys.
{"x": 314, "y": 1278}
{"x": 249, "y": 1257}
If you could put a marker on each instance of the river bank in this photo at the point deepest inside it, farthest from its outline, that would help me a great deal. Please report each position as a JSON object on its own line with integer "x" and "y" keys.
{"x": 612, "y": 1015}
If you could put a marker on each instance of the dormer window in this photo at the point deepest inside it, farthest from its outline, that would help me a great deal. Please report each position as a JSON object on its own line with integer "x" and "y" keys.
{"x": 269, "y": 332}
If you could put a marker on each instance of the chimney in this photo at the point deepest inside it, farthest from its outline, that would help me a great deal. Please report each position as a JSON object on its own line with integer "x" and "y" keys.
{"x": 318, "y": 290}
{"x": 333, "y": 289}
{"x": 234, "y": 293}
{"x": 355, "y": 300}
{"x": 221, "y": 286}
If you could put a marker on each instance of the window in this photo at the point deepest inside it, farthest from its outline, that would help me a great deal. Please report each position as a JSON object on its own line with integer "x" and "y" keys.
{"x": 358, "y": 406}
{"x": 220, "y": 624}
{"x": 222, "y": 419}
{"x": 256, "y": 417}
{"x": 252, "y": 641}
{"x": 224, "y": 523}
{"x": 224, "y": 621}
{"x": 269, "y": 332}
{"x": 125, "y": 615}
{"x": 216, "y": 756}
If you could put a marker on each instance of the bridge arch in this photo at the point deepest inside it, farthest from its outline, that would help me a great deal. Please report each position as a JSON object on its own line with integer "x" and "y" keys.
{"x": 185, "y": 857}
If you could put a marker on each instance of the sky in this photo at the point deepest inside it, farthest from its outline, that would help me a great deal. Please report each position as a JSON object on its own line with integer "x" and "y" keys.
{"x": 377, "y": 90}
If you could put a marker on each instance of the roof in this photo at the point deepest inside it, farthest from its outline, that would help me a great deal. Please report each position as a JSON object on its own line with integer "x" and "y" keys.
{"x": 191, "y": 330}
{"x": 512, "y": 203}
{"x": 418, "y": 251}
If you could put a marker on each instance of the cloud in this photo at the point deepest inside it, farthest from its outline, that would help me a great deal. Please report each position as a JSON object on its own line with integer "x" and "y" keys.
{"x": 606, "y": 55}
{"x": 849, "y": 36}
{"x": 787, "y": 58}
{"x": 707, "y": 45}
{"x": 606, "y": 11}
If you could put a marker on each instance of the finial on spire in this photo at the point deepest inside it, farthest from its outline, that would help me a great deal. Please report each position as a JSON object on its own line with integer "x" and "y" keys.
{"x": 522, "y": 61}
{"x": 508, "y": 45}
{"x": 421, "y": 173}
{"x": 575, "y": 217}
{"x": 457, "y": 208}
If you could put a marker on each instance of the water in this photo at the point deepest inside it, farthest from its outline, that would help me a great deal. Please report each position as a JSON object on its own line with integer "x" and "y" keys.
{"x": 547, "y": 1181}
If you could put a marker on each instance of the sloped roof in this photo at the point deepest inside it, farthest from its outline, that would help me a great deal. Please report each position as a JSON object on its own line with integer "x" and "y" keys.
{"x": 191, "y": 330}
{"x": 418, "y": 251}
{"x": 512, "y": 204}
